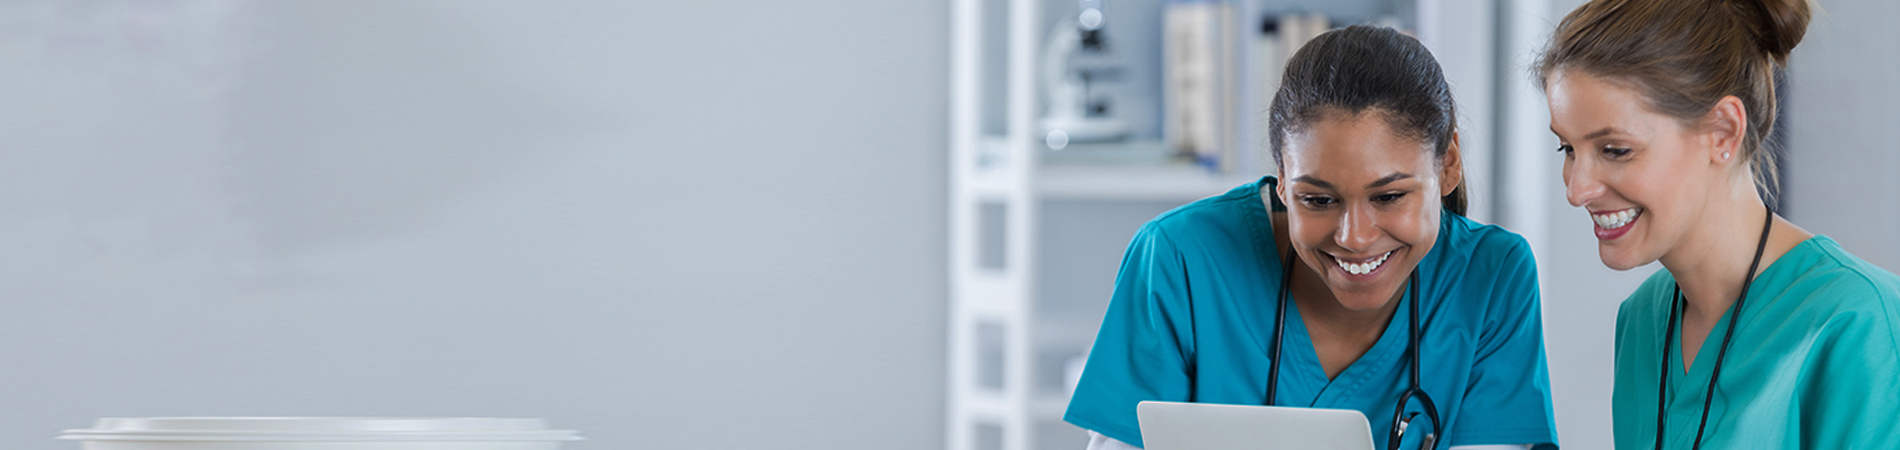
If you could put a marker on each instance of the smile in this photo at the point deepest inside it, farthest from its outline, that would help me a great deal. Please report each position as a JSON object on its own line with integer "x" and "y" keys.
{"x": 1362, "y": 268}
{"x": 1615, "y": 220}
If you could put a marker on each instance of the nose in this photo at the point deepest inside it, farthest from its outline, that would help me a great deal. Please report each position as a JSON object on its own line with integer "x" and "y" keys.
{"x": 1581, "y": 183}
{"x": 1357, "y": 228}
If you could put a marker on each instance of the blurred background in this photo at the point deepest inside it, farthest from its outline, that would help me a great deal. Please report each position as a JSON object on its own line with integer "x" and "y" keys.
{"x": 736, "y": 224}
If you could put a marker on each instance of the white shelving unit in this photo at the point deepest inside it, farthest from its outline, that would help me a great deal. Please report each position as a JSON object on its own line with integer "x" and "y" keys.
{"x": 1005, "y": 349}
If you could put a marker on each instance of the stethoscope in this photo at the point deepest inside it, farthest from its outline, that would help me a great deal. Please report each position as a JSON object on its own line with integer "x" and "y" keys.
{"x": 1734, "y": 317}
{"x": 1399, "y": 418}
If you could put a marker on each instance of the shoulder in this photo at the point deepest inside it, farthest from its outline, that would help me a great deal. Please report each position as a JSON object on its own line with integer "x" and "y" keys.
{"x": 1490, "y": 269}
{"x": 1485, "y": 244}
{"x": 1851, "y": 307}
{"x": 1218, "y": 218}
{"x": 1480, "y": 256}
{"x": 1844, "y": 280}
{"x": 1852, "y": 292}
{"x": 1651, "y": 298}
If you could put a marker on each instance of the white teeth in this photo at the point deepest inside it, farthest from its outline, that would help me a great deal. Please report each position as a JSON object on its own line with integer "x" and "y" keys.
{"x": 1616, "y": 220}
{"x": 1365, "y": 267}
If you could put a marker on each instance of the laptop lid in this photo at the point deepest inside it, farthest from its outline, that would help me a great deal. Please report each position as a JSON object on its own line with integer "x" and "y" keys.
{"x": 1205, "y": 426}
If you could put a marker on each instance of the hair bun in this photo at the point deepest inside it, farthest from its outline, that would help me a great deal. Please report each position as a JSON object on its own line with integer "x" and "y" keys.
{"x": 1780, "y": 25}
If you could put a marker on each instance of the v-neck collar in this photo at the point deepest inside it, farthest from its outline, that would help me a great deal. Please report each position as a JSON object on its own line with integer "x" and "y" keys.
{"x": 1696, "y": 378}
{"x": 1303, "y": 359}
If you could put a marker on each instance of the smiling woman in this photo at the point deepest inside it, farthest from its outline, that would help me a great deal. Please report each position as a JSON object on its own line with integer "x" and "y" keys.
{"x": 1662, "y": 107}
{"x": 1333, "y": 289}
{"x": 1361, "y": 221}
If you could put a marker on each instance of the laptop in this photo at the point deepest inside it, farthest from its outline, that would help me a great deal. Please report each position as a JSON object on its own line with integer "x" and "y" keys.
{"x": 1206, "y": 426}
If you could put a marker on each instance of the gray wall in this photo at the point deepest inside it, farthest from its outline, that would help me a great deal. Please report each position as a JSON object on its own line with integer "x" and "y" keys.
{"x": 1843, "y": 117}
{"x": 666, "y": 224}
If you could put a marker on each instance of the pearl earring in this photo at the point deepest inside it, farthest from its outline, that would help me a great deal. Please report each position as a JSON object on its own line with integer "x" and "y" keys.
{"x": 1725, "y": 156}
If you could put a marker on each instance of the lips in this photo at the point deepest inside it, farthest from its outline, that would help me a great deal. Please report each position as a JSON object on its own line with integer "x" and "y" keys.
{"x": 1614, "y": 224}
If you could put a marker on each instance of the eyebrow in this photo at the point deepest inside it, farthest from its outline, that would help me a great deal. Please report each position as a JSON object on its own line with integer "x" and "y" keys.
{"x": 1388, "y": 179}
{"x": 1599, "y": 133}
{"x": 1606, "y": 131}
{"x": 1313, "y": 181}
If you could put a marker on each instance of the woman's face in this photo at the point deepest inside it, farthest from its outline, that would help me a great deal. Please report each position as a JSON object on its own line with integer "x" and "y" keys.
{"x": 1363, "y": 204}
{"x": 1641, "y": 175}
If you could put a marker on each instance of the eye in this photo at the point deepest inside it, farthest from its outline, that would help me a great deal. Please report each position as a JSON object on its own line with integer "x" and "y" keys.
{"x": 1388, "y": 198}
{"x": 1566, "y": 149}
{"x": 1616, "y": 152}
{"x": 1317, "y": 202}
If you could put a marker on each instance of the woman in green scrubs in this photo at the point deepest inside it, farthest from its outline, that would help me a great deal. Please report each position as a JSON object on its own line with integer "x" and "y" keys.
{"x": 1757, "y": 334}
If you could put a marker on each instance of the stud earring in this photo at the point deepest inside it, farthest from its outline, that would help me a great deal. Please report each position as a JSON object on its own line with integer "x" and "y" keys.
{"x": 1725, "y": 156}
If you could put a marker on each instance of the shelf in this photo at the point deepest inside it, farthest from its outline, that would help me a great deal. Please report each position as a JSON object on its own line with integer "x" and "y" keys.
{"x": 1129, "y": 171}
{"x": 1158, "y": 183}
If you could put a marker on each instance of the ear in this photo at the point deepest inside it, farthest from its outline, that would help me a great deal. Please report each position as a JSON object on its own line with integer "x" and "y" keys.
{"x": 1279, "y": 189}
{"x": 1451, "y": 168}
{"x": 1728, "y": 127}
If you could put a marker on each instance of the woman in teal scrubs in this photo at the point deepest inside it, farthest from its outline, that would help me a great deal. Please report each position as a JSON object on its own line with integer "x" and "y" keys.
{"x": 1757, "y": 334}
{"x": 1363, "y": 128}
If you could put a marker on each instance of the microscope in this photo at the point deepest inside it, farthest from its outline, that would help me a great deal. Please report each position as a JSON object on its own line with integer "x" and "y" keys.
{"x": 1078, "y": 73}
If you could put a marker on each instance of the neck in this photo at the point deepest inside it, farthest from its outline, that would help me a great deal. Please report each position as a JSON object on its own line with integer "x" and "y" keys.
{"x": 1712, "y": 261}
{"x": 1318, "y": 306}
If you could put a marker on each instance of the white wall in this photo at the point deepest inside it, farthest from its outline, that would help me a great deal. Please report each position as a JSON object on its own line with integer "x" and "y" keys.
{"x": 666, "y": 224}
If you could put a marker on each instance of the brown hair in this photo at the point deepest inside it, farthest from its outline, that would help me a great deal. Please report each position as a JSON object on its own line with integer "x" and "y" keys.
{"x": 1683, "y": 56}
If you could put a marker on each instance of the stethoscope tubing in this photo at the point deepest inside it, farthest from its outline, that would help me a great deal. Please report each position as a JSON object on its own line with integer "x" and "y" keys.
{"x": 1399, "y": 419}
{"x": 1676, "y": 304}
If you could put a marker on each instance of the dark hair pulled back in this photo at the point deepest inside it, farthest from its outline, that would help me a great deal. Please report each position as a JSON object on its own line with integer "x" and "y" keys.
{"x": 1683, "y": 56}
{"x": 1360, "y": 68}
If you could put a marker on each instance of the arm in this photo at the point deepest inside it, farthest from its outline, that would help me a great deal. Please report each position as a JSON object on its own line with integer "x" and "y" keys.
{"x": 1099, "y": 442}
{"x": 1507, "y": 398}
{"x": 1849, "y": 394}
{"x": 1143, "y": 348}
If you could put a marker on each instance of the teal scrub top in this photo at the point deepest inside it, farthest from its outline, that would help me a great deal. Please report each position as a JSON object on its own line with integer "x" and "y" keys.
{"x": 1192, "y": 317}
{"x": 1815, "y": 361}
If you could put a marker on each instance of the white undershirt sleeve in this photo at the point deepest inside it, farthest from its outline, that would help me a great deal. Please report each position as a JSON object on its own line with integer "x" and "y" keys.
{"x": 1099, "y": 442}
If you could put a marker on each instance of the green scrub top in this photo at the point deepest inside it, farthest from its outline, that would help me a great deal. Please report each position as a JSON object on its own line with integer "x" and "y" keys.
{"x": 1193, "y": 314}
{"x": 1815, "y": 361}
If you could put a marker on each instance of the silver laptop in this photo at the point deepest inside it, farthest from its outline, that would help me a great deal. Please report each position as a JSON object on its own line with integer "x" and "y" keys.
{"x": 1205, "y": 426}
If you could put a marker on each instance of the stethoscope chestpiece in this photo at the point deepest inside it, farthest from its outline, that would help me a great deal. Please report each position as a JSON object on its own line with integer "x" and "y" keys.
{"x": 1406, "y": 422}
